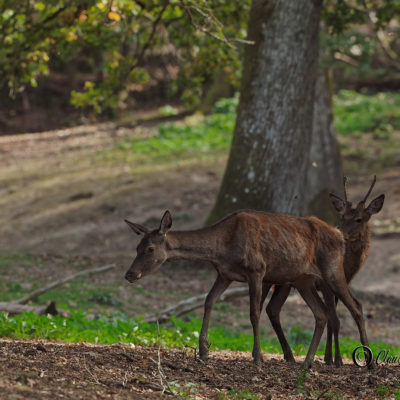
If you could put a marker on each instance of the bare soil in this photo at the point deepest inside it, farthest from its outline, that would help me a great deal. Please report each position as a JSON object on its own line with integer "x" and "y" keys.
{"x": 50, "y": 370}
{"x": 63, "y": 197}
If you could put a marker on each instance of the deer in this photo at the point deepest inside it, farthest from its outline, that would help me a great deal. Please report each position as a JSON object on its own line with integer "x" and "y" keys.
{"x": 354, "y": 225}
{"x": 258, "y": 248}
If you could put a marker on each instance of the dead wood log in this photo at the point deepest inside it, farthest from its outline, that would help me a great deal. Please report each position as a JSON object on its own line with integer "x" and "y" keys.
{"x": 20, "y": 306}
{"x": 192, "y": 303}
{"x": 15, "y": 308}
{"x": 185, "y": 306}
{"x": 40, "y": 291}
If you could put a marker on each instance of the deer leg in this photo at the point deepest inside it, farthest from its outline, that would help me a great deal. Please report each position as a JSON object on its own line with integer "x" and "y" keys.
{"x": 310, "y": 296}
{"x": 273, "y": 310}
{"x": 255, "y": 291}
{"x": 265, "y": 290}
{"x": 340, "y": 288}
{"x": 218, "y": 288}
{"x": 333, "y": 327}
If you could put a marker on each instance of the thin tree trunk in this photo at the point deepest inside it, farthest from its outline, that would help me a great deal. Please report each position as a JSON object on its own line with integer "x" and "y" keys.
{"x": 267, "y": 166}
{"x": 325, "y": 172}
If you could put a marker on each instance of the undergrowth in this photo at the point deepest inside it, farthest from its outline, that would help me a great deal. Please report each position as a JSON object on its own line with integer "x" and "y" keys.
{"x": 108, "y": 329}
{"x": 367, "y": 125}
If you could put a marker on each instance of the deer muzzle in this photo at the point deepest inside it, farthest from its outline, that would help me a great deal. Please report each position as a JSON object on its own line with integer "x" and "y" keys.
{"x": 132, "y": 277}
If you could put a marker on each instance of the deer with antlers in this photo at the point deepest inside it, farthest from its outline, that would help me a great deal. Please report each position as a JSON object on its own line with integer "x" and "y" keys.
{"x": 354, "y": 224}
{"x": 260, "y": 249}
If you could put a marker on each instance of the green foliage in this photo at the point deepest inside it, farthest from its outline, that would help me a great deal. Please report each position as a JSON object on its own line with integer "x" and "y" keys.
{"x": 340, "y": 14}
{"x": 382, "y": 391}
{"x": 238, "y": 395}
{"x": 108, "y": 329}
{"x": 355, "y": 112}
{"x": 300, "y": 382}
{"x": 182, "y": 392}
{"x": 112, "y": 41}
{"x": 196, "y": 134}
{"x": 167, "y": 110}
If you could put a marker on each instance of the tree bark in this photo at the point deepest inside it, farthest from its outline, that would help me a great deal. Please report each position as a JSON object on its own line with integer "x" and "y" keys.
{"x": 269, "y": 158}
{"x": 325, "y": 172}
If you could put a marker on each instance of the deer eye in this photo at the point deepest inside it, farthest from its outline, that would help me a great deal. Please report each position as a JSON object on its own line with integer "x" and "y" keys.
{"x": 358, "y": 220}
{"x": 150, "y": 250}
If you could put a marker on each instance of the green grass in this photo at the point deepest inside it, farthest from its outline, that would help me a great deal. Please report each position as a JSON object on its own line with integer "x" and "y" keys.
{"x": 108, "y": 329}
{"x": 8, "y": 260}
{"x": 368, "y": 128}
{"x": 81, "y": 294}
{"x": 355, "y": 112}
{"x": 195, "y": 135}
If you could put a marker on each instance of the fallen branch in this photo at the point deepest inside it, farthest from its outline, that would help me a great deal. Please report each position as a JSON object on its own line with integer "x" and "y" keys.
{"x": 15, "y": 308}
{"x": 195, "y": 302}
{"x": 20, "y": 306}
{"x": 40, "y": 291}
{"x": 192, "y": 303}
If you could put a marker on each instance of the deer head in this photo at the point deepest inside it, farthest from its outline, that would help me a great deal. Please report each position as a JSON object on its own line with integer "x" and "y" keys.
{"x": 354, "y": 219}
{"x": 151, "y": 251}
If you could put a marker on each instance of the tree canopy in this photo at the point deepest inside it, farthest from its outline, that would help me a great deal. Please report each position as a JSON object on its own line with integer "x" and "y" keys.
{"x": 116, "y": 40}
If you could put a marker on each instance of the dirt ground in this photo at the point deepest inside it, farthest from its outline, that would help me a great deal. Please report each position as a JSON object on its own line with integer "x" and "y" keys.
{"x": 49, "y": 370}
{"x": 63, "y": 197}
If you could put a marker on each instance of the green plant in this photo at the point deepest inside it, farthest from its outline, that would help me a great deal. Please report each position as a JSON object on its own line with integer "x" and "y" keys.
{"x": 237, "y": 395}
{"x": 167, "y": 110}
{"x": 355, "y": 112}
{"x": 117, "y": 327}
{"x": 195, "y": 135}
{"x": 300, "y": 382}
{"x": 382, "y": 391}
{"x": 183, "y": 392}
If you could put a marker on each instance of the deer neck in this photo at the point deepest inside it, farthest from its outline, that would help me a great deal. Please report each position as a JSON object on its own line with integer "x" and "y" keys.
{"x": 192, "y": 245}
{"x": 357, "y": 249}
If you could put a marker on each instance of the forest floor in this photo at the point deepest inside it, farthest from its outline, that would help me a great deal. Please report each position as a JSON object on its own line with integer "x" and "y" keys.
{"x": 63, "y": 197}
{"x": 54, "y": 370}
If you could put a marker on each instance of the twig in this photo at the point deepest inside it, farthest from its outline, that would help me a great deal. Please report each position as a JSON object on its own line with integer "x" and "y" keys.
{"x": 92, "y": 375}
{"x": 54, "y": 284}
{"x": 215, "y": 22}
{"x": 160, "y": 371}
{"x": 192, "y": 303}
{"x": 152, "y": 33}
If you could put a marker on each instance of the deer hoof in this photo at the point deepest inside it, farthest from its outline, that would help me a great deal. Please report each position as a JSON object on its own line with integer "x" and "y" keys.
{"x": 290, "y": 359}
{"x": 257, "y": 359}
{"x": 306, "y": 365}
{"x": 328, "y": 359}
{"x": 338, "y": 362}
{"x": 257, "y": 362}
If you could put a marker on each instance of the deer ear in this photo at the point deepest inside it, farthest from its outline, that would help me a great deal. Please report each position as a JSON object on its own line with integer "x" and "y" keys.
{"x": 338, "y": 203}
{"x": 166, "y": 223}
{"x": 376, "y": 205}
{"x": 139, "y": 229}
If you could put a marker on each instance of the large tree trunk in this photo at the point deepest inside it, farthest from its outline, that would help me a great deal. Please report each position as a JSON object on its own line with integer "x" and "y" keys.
{"x": 325, "y": 168}
{"x": 269, "y": 158}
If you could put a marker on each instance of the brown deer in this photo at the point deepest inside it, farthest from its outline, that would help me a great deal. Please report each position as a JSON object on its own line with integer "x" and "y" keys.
{"x": 258, "y": 248}
{"x": 354, "y": 224}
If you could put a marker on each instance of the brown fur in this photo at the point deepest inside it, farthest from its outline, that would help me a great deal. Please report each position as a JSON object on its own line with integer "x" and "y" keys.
{"x": 356, "y": 231}
{"x": 260, "y": 249}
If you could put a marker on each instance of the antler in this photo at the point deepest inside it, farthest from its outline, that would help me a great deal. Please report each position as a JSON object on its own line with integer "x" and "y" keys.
{"x": 344, "y": 186}
{"x": 370, "y": 189}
